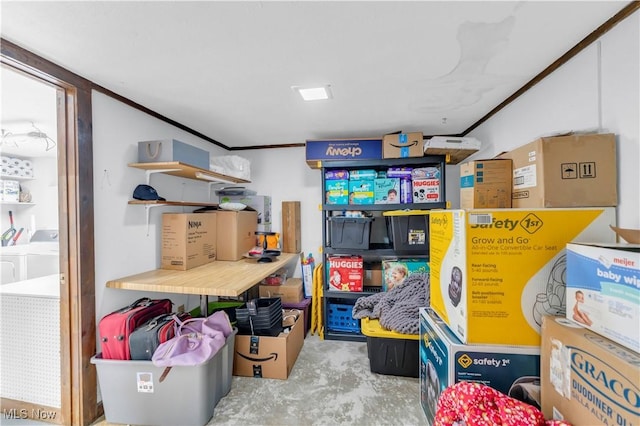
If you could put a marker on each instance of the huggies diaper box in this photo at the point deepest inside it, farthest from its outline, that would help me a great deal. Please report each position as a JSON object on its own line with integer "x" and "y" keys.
{"x": 603, "y": 290}
{"x": 496, "y": 272}
{"x": 444, "y": 361}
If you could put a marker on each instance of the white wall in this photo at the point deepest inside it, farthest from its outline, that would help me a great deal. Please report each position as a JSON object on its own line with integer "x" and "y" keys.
{"x": 567, "y": 100}
{"x": 123, "y": 243}
{"x": 597, "y": 90}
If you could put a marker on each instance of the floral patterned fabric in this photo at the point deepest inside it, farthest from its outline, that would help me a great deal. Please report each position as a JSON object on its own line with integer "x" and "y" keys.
{"x": 475, "y": 404}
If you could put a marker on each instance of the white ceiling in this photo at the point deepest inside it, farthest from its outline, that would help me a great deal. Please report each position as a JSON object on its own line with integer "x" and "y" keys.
{"x": 225, "y": 69}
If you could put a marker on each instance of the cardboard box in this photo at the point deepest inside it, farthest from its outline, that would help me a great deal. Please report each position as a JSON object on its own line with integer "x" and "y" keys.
{"x": 345, "y": 273}
{"x": 372, "y": 274}
{"x": 289, "y": 292}
{"x": 10, "y": 190}
{"x": 586, "y": 378}
{"x": 394, "y": 271}
{"x": 266, "y": 356}
{"x": 336, "y": 191}
{"x": 386, "y": 191}
{"x": 259, "y": 203}
{"x": 318, "y": 151}
{"x": 361, "y": 191}
{"x": 456, "y": 148}
{"x": 603, "y": 290}
{"x": 445, "y": 360}
{"x": 236, "y": 233}
{"x": 565, "y": 171}
{"x": 291, "y": 227}
{"x": 169, "y": 150}
{"x": 188, "y": 240}
{"x": 485, "y": 184}
{"x": 503, "y": 269}
{"x": 403, "y": 145}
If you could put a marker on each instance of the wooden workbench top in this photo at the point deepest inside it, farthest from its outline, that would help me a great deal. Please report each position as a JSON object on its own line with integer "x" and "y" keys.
{"x": 218, "y": 278}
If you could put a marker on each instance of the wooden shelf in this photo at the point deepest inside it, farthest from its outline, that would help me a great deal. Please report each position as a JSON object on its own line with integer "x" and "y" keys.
{"x": 151, "y": 203}
{"x": 176, "y": 168}
{"x": 218, "y": 278}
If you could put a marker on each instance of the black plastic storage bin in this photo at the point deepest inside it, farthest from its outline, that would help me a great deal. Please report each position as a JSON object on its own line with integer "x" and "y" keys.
{"x": 390, "y": 352}
{"x": 408, "y": 231}
{"x": 350, "y": 232}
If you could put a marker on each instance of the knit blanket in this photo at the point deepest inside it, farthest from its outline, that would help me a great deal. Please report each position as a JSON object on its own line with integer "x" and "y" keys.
{"x": 399, "y": 308}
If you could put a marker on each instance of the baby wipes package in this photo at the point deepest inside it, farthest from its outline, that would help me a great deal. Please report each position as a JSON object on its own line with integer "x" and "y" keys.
{"x": 603, "y": 290}
{"x": 496, "y": 272}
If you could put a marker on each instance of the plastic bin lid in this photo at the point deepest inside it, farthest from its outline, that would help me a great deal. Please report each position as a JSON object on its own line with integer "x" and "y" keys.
{"x": 406, "y": 213}
{"x": 371, "y": 328}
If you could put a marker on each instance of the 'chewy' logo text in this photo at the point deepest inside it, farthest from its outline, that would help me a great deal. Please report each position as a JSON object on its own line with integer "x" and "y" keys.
{"x": 343, "y": 152}
{"x": 604, "y": 380}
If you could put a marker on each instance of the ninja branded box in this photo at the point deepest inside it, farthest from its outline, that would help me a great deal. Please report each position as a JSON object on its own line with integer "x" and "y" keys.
{"x": 495, "y": 273}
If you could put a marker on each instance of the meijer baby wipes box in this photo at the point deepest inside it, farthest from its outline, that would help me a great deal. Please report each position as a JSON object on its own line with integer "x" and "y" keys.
{"x": 603, "y": 290}
{"x": 495, "y": 273}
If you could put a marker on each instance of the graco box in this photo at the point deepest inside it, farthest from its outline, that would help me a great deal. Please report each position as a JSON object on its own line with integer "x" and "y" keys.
{"x": 603, "y": 290}
{"x": 445, "y": 360}
{"x": 132, "y": 393}
{"x": 500, "y": 269}
{"x": 587, "y": 379}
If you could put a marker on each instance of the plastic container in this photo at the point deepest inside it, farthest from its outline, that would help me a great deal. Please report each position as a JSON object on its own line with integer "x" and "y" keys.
{"x": 350, "y": 232}
{"x": 132, "y": 393}
{"x": 340, "y": 318}
{"x": 390, "y": 352}
{"x": 408, "y": 231}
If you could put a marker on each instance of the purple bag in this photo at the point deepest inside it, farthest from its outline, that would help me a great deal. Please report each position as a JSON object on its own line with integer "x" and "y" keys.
{"x": 196, "y": 341}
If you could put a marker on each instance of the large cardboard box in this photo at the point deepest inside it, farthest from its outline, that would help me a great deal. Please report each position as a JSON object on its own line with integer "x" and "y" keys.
{"x": 318, "y": 151}
{"x": 565, "y": 171}
{"x": 503, "y": 269}
{"x": 266, "y": 356}
{"x": 291, "y": 227}
{"x": 403, "y": 145}
{"x": 485, "y": 184}
{"x": 445, "y": 360}
{"x": 259, "y": 203}
{"x": 290, "y": 291}
{"x": 188, "y": 240}
{"x": 587, "y": 379}
{"x": 236, "y": 233}
{"x": 603, "y": 290}
{"x": 456, "y": 148}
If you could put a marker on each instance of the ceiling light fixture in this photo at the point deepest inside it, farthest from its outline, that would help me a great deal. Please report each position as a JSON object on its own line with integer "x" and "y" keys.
{"x": 316, "y": 93}
{"x": 26, "y": 137}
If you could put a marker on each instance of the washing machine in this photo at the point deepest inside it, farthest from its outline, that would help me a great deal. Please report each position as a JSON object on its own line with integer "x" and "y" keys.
{"x": 38, "y": 258}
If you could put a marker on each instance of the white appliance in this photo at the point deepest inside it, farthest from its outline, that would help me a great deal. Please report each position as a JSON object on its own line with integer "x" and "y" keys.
{"x": 37, "y": 259}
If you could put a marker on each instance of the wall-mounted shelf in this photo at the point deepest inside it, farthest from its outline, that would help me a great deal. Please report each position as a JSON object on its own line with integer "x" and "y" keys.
{"x": 176, "y": 168}
{"x": 16, "y": 203}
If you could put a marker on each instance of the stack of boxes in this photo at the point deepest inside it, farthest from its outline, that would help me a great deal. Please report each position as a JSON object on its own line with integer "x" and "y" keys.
{"x": 501, "y": 282}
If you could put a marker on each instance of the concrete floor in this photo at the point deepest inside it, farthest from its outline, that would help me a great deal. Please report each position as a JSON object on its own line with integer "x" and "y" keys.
{"x": 330, "y": 384}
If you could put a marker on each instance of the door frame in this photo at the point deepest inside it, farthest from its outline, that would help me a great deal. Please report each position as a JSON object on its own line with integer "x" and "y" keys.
{"x": 79, "y": 404}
